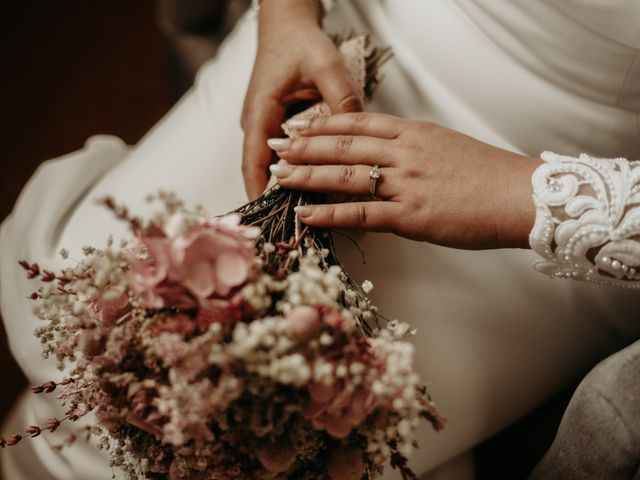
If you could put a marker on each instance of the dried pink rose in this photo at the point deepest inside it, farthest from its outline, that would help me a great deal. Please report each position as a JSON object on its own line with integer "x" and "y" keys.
{"x": 338, "y": 408}
{"x": 110, "y": 306}
{"x": 189, "y": 269}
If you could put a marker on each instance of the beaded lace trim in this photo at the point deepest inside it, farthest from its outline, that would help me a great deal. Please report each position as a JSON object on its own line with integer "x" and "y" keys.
{"x": 588, "y": 219}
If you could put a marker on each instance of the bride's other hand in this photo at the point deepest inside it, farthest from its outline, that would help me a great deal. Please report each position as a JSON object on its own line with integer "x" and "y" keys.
{"x": 295, "y": 61}
{"x": 436, "y": 184}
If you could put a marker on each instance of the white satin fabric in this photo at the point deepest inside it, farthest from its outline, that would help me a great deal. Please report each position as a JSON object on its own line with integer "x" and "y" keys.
{"x": 495, "y": 337}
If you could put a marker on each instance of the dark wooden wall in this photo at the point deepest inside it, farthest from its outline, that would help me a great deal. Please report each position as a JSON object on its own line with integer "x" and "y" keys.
{"x": 70, "y": 70}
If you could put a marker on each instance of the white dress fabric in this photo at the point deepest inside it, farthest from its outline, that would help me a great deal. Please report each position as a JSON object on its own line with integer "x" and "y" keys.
{"x": 496, "y": 338}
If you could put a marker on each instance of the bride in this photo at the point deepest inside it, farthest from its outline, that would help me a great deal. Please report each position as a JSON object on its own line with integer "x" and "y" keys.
{"x": 475, "y": 92}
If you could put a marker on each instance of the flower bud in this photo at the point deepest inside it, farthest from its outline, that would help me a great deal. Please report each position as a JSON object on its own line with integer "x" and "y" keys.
{"x": 304, "y": 323}
{"x": 276, "y": 457}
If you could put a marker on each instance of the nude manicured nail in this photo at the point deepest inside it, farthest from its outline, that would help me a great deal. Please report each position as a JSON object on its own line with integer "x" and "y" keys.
{"x": 298, "y": 123}
{"x": 280, "y": 170}
{"x": 302, "y": 211}
{"x": 278, "y": 144}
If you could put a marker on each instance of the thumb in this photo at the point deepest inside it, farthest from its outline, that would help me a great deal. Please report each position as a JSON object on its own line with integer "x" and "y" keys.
{"x": 338, "y": 90}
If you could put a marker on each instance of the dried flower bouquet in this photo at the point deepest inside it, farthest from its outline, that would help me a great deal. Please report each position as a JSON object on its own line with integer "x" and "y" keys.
{"x": 231, "y": 347}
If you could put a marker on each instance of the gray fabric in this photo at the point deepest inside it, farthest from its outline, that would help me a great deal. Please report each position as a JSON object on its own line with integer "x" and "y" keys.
{"x": 599, "y": 436}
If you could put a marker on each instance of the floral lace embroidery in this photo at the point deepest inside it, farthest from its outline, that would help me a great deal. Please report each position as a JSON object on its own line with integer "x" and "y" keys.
{"x": 588, "y": 219}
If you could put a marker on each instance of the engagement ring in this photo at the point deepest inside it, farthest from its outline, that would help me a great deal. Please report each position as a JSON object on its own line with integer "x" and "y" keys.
{"x": 374, "y": 175}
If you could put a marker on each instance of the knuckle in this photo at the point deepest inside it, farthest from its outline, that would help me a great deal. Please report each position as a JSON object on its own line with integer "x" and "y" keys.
{"x": 305, "y": 173}
{"x": 413, "y": 172}
{"x": 350, "y": 103}
{"x": 318, "y": 123}
{"x": 361, "y": 214}
{"x": 330, "y": 215}
{"x": 299, "y": 145}
{"x": 347, "y": 175}
{"x": 415, "y": 205}
{"x": 361, "y": 118}
{"x": 343, "y": 144}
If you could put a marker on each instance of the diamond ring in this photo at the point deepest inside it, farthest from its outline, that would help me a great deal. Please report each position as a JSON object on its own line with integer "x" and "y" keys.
{"x": 374, "y": 175}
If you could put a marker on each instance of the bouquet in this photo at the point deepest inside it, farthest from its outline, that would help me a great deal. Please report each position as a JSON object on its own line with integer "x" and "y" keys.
{"x": 231, "y": 347}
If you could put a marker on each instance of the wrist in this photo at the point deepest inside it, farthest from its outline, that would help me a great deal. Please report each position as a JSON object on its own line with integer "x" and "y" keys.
{"x": 514, "y": 226}
{"x": 298, "y": 10}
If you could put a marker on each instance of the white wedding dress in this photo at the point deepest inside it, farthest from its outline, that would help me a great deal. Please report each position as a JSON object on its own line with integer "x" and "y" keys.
{"x": 495, "y": 338}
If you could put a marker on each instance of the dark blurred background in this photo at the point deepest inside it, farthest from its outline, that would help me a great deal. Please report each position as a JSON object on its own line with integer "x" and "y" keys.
{"x": 77, "y": 68}
{"x": 70, "y": 70}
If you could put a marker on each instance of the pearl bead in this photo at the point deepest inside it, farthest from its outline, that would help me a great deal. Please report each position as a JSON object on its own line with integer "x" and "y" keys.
{"x": 615, "y": 264}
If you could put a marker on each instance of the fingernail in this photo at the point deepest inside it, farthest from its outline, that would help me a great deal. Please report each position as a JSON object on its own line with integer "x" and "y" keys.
{"x": 302, "y": 211}
{"x": 278, "y": 144}
{"x": 298, "y": 123}
{"x": 281, "y": 171}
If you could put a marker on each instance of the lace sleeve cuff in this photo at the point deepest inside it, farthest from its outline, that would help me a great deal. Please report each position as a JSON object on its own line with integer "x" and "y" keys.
{"x": 588, "y": 219}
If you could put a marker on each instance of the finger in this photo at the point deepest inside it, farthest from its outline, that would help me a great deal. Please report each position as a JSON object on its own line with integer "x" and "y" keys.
{"x": 362, "y": 123}
{"x": 302, "y": 95}
{"x": 337, "y": 89}
{"x": 376, "y": 216}
{"x": 261, "y": 123}
{"x": 350, "y": 179}
{"x": 339, "y": 149}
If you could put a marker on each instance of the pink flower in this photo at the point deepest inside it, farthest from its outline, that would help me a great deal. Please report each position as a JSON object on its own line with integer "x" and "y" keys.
{"x": 111, "y": 306}
{"x": 191, "y": 268}
{"x": 213, "y": 263}
{"x": 338, "y": 409}
{"x": 149, "y": 271}
{"x": 336, "y": 321}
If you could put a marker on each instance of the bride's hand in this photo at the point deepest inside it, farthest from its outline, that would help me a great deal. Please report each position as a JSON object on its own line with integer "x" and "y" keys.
{"x": 436, "y": 184}
{"x": 296, "y": 60}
